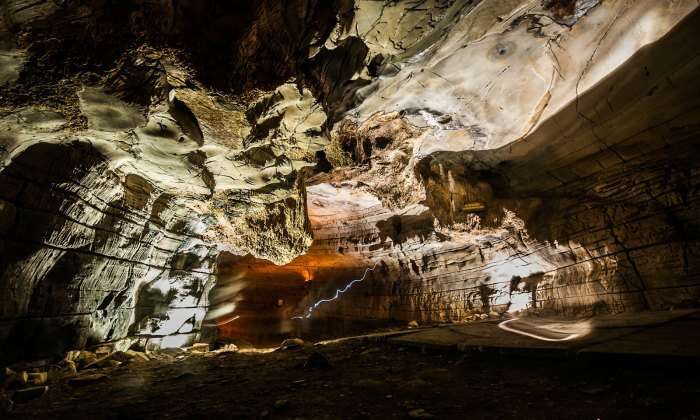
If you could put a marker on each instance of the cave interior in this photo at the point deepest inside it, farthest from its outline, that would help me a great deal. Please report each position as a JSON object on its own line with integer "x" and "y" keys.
{"x": 349, "y": 209}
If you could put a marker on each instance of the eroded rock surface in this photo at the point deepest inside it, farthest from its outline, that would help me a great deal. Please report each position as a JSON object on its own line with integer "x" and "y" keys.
{"x": 169, "y": 167}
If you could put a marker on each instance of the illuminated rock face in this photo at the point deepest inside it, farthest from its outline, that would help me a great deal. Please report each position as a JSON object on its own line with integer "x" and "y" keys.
{"x": 563, "y": 186}
{"x": 475, "y": 156}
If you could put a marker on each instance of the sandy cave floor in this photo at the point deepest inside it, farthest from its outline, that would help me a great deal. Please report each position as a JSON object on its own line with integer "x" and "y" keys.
{"x": 375, "y": 380}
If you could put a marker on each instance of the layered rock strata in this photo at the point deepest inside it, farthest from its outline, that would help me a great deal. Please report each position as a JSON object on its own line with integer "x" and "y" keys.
{"x": 457, "y": 158}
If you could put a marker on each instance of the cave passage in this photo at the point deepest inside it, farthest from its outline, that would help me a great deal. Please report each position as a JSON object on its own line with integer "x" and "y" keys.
{"x": 349, "y": 209}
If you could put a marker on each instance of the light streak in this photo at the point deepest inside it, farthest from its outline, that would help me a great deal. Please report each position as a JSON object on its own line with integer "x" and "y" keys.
{"x": 338, "y": 292}
{"x": 567, "y": 330}
{"x": 218, "y": 324}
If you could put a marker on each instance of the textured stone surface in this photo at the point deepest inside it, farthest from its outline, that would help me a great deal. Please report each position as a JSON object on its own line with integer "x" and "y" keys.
{"x": 169, "y": 166}
{"x": 581, "y": 203}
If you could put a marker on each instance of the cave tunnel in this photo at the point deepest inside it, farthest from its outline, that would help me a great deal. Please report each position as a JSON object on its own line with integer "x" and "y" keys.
{"x": 349, "y": 209}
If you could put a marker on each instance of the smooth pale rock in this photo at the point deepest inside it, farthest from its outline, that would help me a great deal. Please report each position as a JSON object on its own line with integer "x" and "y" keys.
{"x": 199, "y": 347}
{"x": 227, "y": 348}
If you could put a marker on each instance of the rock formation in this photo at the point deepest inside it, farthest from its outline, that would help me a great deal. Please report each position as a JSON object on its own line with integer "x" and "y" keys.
{"x": 178, "y": 170}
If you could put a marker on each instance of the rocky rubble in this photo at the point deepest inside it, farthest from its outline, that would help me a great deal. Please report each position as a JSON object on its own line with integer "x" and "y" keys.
{"x": 26, "y": 381}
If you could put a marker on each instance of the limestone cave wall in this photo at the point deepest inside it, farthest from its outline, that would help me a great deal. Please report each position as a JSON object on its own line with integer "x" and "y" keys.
{"x": 173, "y": 171}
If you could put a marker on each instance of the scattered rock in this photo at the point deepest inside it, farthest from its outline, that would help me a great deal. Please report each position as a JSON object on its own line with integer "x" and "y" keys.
{"x": 72, "y": 355}
{"x": 28, "y": 394}
{"x": 13, "y": 378}
{"x": 413, "y": 324}
{"x": 228, "y": 348}
{"x": 292, "y": 343}
{"x": 87, "y": 379}
{"x": 37, "y": 378}
{"x": 121, "y": 356}
{"x": 281, "y": 404}
{"x": 102, "y": 351}
{"x": 66, "y": 369}
{"x": 200, "y": 347}
{"x": 419, "y": 413}
{"x": 101, "y": 363}
{"x": 317, "y": 361}
{"x": 484, "y": 316}
{"x": 70, "y": 368}
{"x": 239, "y": 343}
{"x": 137, "y": 356}
{"x": 85, "y": 358}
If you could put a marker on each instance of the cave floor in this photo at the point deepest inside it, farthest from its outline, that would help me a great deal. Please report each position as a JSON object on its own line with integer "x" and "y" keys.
{"x": 369, "y": 379}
